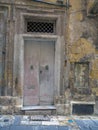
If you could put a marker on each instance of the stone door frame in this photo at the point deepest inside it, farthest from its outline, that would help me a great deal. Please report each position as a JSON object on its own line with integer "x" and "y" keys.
{"x": 18, "y": 67}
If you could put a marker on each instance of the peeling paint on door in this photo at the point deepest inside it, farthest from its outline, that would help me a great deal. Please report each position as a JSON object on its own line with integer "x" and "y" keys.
{"x": 38, "y": 73}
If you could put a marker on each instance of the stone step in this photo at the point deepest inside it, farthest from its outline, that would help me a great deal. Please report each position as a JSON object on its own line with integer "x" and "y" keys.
{"x": 39, "y": 110}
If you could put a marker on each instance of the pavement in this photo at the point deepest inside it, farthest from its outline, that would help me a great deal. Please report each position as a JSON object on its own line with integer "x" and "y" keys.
{"x": 40, "y": 122}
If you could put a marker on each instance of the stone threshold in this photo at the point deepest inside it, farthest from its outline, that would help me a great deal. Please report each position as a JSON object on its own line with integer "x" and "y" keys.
{"x": 38, "y": 108}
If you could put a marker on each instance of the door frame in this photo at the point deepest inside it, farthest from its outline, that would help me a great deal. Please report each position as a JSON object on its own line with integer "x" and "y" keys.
{"x": 44, "y": 53}
{"x": 19, "y": 57}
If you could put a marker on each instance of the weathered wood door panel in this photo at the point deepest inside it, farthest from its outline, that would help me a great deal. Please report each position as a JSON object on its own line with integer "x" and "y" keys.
{"x": 38, "y": 73}
{"x": 31, "y": 75}
{"x": 46, "y": 78}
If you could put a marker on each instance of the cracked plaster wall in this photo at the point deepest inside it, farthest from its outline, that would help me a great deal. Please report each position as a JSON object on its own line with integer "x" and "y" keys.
{"x": 81, "y": 41}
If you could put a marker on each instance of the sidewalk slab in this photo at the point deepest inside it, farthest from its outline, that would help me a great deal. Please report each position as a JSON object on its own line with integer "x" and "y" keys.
{"x": 87, "y": 124}
{"x": 17, "y": 120}
{"x": 64, "y": 128}
{"x": 5, "y": 128}
{"x": 22, "y": 122}
{"x": 21, "y": 128}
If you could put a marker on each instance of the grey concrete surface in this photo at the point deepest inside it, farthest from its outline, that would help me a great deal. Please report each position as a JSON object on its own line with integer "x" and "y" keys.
{"x": 9, "y": 122}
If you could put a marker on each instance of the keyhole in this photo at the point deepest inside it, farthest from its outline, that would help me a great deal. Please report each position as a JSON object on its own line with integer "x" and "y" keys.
{"x": 40, "y": 71}
{"x": 47, "y": 67}
{"x": 31, "y": 67}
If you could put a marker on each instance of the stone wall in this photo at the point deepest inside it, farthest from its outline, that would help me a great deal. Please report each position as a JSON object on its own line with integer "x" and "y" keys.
{"x": 81, "y": 37}
{"x": 82, "y": 40}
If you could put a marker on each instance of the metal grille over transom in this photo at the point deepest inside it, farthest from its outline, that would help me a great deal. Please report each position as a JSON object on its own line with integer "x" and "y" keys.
{"x": 40, "y": 26}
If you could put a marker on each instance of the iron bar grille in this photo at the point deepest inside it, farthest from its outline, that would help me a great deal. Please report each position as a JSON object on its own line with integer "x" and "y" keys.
{"x": 40, "y": 27}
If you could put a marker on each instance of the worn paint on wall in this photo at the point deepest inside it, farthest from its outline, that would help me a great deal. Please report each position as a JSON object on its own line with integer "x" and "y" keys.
{"x": 81, "y": 75}
{"x": 90, "y": 4}
{"x": 81, "y": 38}
{"x": 82, "y": 41}
{"x": 80, "y": 49}
{"x": 76, "y": 5}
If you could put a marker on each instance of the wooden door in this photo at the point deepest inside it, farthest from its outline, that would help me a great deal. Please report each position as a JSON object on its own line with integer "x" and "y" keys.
{"x": 31, "y": 73}
{"x": 46, "y": 76}
{"x": 38, "y": 73}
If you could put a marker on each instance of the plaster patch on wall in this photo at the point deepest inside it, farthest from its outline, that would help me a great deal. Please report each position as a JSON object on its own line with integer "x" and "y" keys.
{"x": 80, "y": 49}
